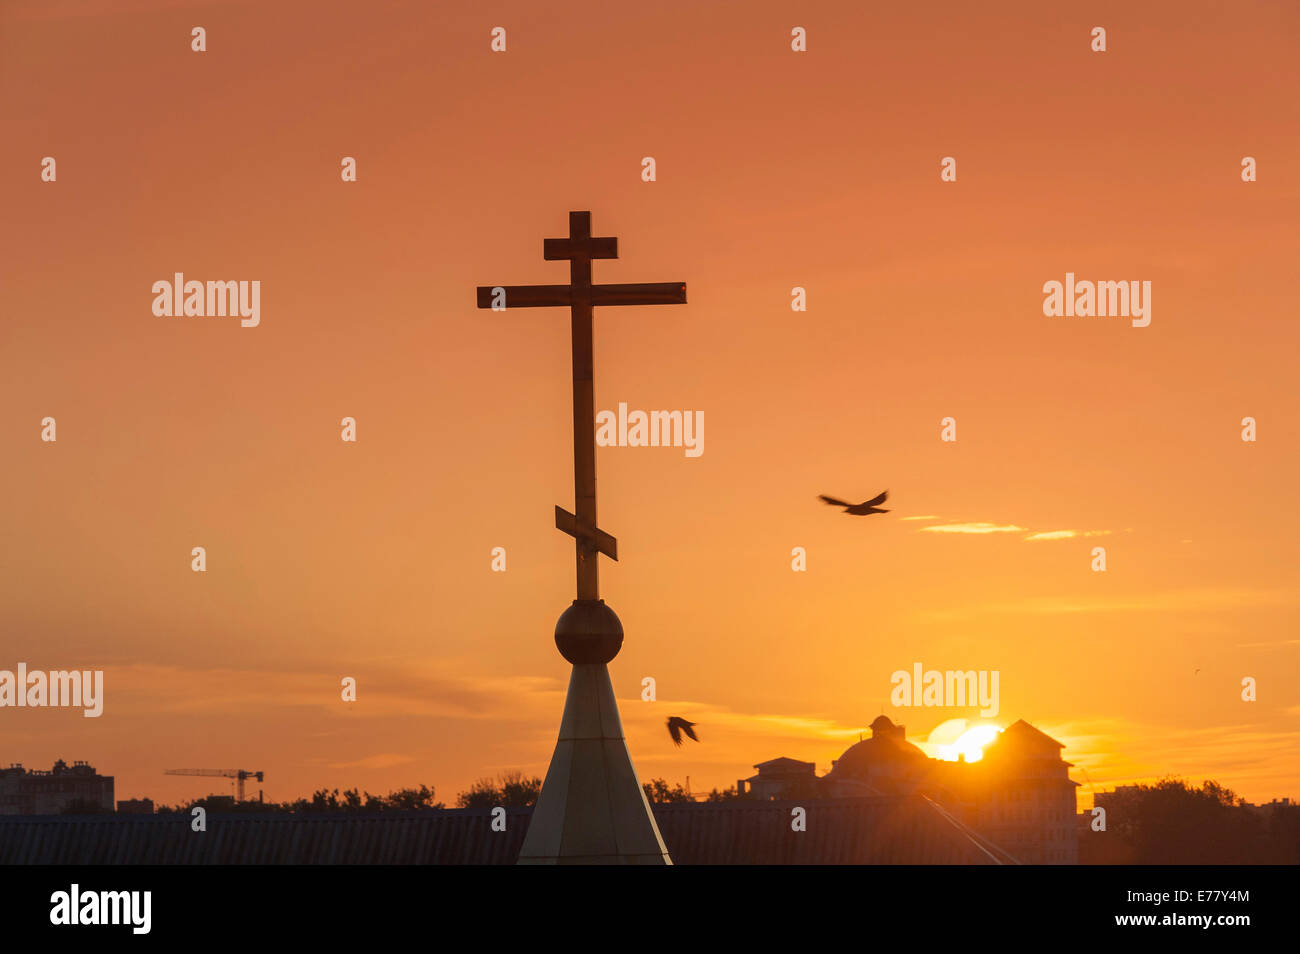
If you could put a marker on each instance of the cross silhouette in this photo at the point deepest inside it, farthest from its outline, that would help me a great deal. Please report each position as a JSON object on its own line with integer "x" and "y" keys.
{"x": 581, "y": 296}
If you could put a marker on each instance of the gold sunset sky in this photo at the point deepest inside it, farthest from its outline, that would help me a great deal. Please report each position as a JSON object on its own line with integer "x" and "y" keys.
{"x": 775, "y": 169}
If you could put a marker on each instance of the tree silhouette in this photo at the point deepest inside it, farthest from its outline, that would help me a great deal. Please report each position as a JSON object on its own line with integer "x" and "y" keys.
{"x": 1174, "y": 823}
{"x": 659, "y": 791}
{"x": 512, "y": 790}
{"x": 412, "y": 799}
{"x": 323, "y": 800}
{"x": 726, "y": 795}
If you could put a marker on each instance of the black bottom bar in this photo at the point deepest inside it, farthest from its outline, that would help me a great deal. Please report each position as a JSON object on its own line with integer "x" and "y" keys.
{"x": 739, "y": 904}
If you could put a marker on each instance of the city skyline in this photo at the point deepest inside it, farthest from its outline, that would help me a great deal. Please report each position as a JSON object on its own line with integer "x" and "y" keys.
{"x": 373, "y": 560}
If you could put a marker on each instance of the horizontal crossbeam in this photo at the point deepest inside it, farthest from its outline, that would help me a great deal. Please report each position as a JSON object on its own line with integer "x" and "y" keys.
{"x": 549, "y": 296}
{"x": 651, "y": 293}
{"x": 526, "y": 296}
{"x": 557, "y": 249}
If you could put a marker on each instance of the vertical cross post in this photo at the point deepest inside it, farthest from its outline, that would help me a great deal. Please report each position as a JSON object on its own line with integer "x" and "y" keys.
{"x": 580, "y": 249}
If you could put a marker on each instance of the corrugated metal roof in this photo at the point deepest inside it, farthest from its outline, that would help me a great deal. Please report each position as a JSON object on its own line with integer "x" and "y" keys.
{"x": 876, "y": 830}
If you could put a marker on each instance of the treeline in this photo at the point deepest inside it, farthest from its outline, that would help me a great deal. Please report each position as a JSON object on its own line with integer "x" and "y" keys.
{"x": 511, "y": 790}
{"x": 508, "y": 790}
{"x": 658, "y": 791}
{"x": 323, "y": 800}
{"x": 1173, "y": 823}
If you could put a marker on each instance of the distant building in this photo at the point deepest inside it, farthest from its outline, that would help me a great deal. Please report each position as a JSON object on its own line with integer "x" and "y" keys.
{"x": 885, "y": 764}
{"x": 1019, "y": 795}
{"x": 1023, "y": 799}
{"x": 65, "y": 787}
{"x": 135, "y": 806}
{"x": 1106, "y": 799}
{"x": 1267, "y": 808}
{"x": 779, "y": 778}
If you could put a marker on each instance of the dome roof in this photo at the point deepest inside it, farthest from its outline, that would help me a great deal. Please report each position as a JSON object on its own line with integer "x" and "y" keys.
{"x": 887, "y": 746}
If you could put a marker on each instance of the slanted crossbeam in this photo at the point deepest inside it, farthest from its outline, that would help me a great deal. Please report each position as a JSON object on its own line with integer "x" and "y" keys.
{"x": 603, "y": 542}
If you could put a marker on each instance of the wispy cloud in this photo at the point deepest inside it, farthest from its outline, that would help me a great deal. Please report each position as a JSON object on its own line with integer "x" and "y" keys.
{"x": 734, "y": 740}
{"x": 973, "y": 528}
{"x": 982, "y": 527}
{"x": 925, "y": 516}
{"x": 767, "y": 725}
{"x": 415, "y": 689}
{"x": 1109, "y": 752}
{"x": 1067, "y": 534}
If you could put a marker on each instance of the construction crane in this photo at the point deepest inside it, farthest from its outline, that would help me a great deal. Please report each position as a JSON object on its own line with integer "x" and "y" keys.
{"x": 239, "y": 775}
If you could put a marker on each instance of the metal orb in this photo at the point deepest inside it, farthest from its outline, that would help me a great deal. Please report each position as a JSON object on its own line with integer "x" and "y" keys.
{"x": 588, "y": 632}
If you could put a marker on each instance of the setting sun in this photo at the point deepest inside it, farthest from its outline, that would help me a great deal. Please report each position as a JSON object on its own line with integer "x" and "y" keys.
{"x": 970, "y": 743}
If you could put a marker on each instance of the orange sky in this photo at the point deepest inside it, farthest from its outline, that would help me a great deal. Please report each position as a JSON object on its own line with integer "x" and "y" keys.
{"x": 775, "y": 169}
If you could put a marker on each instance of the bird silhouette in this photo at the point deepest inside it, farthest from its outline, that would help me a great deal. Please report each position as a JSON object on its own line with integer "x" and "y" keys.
{"x": 676, "y": 726}
{"x": 858, "y": 510}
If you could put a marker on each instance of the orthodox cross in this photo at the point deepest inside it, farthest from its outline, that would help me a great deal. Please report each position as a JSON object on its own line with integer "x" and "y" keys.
{"x": 581, "y": 296}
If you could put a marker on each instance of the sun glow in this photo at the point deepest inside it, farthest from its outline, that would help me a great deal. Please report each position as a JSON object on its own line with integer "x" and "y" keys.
{"x": 970, "y": 743}
{"x": 963, "y": 738}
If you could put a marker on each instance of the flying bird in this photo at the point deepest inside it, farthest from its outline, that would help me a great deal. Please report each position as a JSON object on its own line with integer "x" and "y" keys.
{"x": 858, "y": 510}
{"x": 676, "y": 726}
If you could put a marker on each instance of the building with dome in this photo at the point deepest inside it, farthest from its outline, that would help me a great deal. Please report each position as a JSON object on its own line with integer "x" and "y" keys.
{"x": 1019, "y": 795}
{"x": 884, "y": 764}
